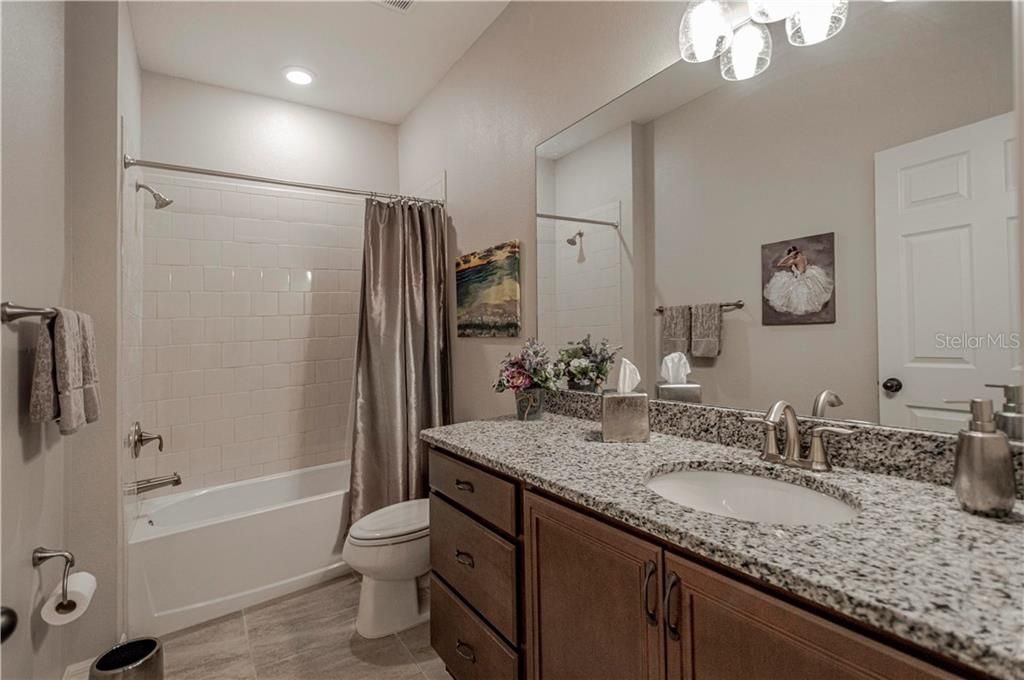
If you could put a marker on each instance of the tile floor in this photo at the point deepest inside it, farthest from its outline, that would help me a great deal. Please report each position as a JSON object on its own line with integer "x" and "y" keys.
{"x": 309, "y": 635}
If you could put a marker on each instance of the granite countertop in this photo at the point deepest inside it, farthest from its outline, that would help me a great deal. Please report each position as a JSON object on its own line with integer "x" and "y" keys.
{"x": 911, "y": 563}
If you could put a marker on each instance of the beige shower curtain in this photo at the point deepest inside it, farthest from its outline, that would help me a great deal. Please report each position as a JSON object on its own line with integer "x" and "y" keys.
{"x": 403, "y": 370}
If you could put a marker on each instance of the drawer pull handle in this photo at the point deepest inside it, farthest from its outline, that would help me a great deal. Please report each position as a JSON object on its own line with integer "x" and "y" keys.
{"x": 672, "y": 626}
{"x": 652, "y": 612}
{"x": 464, "y": 558}
{"x": 463, "y": 485}
{"x": 465, "y": 651}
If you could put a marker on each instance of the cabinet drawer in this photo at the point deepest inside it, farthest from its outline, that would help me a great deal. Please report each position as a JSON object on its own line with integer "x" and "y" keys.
{"x": 476, "y": 562}
{"x": 483, "y": 494}
{"x": 469, "y": 649}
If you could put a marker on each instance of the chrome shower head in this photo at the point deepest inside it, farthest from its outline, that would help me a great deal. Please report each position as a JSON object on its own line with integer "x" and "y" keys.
{"x": 572, "y": 240}
{"x": 159, "y": 199}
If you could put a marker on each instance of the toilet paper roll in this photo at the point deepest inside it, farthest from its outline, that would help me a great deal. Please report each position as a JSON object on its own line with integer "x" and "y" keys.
{"x": 81, "y": 588}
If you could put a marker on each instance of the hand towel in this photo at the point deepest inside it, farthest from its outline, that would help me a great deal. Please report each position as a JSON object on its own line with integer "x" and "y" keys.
{"x": 43, "y": 405}
{"x": 90, "y": 369}
{"x": 67, "y": 354}
{"x": 706, "y": 330}
{"x": 675, "y": 329}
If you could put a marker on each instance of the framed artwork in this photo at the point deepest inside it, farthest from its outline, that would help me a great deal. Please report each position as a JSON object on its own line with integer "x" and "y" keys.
{"x": 487, "y": 292}
{"x": 798, "y": 281}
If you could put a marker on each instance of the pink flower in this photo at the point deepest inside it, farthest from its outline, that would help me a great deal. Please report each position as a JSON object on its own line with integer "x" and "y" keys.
{"x": 517, "y": 380}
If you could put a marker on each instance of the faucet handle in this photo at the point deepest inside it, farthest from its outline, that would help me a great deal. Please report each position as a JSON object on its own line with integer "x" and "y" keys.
{"x": 770, "y": 446}
{"x": 817, "y": 460}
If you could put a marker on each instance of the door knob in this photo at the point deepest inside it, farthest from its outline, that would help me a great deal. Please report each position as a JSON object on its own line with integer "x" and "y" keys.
{"x": 8, "y": 622}
{"x": 892, "y": 385}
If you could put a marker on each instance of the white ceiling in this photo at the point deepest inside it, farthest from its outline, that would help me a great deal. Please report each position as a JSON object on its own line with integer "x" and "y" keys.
{"x": 369, "y": 61}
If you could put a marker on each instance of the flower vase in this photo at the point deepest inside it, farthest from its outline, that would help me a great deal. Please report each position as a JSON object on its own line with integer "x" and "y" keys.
{"x": 530, "y": 404}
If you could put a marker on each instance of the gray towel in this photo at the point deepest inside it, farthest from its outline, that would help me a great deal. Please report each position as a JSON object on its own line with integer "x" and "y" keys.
{"x": 43, "y": 405}
{"x": 67, "y": 359}
{"x": 706, "y": 329}
{"x": 90, "y": 370}
{"x": 675, "y": 329}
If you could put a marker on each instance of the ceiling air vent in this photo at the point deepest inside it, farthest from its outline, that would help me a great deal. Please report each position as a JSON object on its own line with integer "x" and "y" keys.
{"x": 400, "y": 6}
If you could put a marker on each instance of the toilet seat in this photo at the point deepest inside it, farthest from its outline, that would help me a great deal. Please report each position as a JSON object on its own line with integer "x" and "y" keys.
{"x": 393, "y": 524}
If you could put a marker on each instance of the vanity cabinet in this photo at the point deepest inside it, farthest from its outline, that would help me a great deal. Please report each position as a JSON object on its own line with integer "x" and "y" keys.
{"x": 523, "y": 585}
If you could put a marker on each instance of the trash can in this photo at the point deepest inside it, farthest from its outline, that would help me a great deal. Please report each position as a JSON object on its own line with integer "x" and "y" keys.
{"x": 138, "y": 659}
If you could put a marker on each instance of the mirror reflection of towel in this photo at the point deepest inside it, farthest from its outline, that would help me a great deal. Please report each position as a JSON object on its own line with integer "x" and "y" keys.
{"x": 675, "y": 329}
{"x": 706, "y": 330}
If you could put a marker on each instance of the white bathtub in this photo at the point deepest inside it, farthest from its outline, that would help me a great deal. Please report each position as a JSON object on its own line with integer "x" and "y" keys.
{"x": 197, "y": 555}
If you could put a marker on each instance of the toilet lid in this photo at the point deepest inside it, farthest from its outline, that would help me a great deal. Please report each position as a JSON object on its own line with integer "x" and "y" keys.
{"x": 400, "y": 519}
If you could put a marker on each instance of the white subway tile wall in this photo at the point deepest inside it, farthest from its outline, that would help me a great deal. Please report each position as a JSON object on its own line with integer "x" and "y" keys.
{"x": 250, "y": 310}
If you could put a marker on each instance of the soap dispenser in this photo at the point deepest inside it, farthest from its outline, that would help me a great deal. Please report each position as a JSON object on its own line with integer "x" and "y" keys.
{"x": 1011, "y": 418}
{"x": 983, "y": 475}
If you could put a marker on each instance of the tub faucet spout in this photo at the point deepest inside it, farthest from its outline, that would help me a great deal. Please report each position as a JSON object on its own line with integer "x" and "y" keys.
{"x": 152, "y": 484}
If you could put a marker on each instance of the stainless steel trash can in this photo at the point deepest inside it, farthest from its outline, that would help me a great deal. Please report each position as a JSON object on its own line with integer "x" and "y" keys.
{"x": 138, "y": 659}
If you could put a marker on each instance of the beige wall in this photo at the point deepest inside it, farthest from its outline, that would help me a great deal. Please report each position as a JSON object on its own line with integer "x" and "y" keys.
{"x": 538, "y": 68}
{"x": 35, "y": 272}
{"x": 791, "y": 154}
{"x": 189, "y": 123}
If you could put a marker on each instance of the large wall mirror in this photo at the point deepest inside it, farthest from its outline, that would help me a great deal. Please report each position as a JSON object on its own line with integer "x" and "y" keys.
{"x": 859, "y": 197}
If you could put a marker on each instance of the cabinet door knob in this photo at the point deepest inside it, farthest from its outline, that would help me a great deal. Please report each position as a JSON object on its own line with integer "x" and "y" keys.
{"x": 892, "y": 385}
{"x": 463, "y": 485}
{"x": 650, "y": 568}
{"x": 465, "y": 651}
{"x": 670, "y": 625}
{"x": 464, "y": 558}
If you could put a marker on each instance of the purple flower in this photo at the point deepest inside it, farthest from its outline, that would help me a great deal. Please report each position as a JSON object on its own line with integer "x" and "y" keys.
{"x": 517, "y": 379}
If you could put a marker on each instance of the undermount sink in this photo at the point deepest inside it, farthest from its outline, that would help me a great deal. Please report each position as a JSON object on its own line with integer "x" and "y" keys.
{"x": 750, "y": 498}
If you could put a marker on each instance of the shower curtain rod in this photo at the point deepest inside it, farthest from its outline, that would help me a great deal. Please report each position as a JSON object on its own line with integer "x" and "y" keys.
{"x": 129, "y": 162}
{"x": 583, "y": 220}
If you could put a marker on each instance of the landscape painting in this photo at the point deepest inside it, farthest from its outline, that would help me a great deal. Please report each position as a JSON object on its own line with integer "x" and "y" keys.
{"x": 798, "y": 281}
{"x": 487, "y": 288}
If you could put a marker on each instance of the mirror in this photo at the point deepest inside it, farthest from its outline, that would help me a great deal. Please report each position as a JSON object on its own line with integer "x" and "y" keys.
{"x": 859, "y": 197}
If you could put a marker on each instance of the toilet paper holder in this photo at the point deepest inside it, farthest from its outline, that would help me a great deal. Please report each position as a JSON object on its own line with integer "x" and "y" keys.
{"x": 40, "y": 555}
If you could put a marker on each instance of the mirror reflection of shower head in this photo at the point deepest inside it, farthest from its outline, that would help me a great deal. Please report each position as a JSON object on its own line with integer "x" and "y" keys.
{"x": 572, "y": 239}
{"x": 159, "y": 199}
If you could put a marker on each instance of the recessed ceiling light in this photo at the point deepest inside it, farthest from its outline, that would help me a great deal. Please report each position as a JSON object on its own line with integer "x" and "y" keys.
{"x": 298, "y": 75}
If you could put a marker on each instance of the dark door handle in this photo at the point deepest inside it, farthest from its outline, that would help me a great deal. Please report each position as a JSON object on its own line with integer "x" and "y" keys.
{"x": 463, "y": 485}
{"x": 464, "y": 558}
{"x": 892, "y": 385}
{"x": 670, "y": 625}
{"x": 650, "y": 568}
{"x": 8, "y": 622}
{"x": 465, "y": 651}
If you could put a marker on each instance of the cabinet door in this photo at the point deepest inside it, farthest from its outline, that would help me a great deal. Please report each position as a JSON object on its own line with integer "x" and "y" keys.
{"x": 719, "y": 629}
{"x": 593, "y": 597}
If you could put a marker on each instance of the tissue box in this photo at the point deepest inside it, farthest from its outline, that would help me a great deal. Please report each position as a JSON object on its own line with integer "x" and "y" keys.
{"x": 625, "y": 417}
{"x": 685, "y": 392}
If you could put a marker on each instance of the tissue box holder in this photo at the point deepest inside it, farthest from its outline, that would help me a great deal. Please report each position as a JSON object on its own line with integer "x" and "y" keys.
{"x": 625, "y": 418}
{"x": 686, "y": 392}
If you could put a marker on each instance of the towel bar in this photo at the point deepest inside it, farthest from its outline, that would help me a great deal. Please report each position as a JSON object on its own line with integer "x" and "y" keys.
{"x": 726, "y": 306}
{"x": 12, "y": 312}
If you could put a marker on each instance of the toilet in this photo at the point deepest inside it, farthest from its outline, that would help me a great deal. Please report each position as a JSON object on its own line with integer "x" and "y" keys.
{"x": 391, "y": 549}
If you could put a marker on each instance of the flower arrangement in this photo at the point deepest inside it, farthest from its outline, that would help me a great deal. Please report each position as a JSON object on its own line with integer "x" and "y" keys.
{"x": 530, "y": 368}
{"x": 585, "y": 365}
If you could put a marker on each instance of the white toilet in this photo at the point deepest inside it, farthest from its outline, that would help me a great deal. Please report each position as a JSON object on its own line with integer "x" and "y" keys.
{"x": 391, "y": 549}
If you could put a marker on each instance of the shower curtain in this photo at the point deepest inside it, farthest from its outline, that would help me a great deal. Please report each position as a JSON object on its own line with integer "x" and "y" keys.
{"x": 403, "y": 368}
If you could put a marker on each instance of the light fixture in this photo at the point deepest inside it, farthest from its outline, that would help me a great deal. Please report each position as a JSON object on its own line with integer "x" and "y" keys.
{"x": 815, "y": 21}
{"x": 298, "y": 75}
{"x": 749, "y": 54}
{"x": 705, "y": 31}
{"x": 767, "y": 11}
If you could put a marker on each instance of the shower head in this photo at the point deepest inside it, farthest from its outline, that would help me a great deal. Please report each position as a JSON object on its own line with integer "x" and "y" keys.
{"x": 159, "y": 199}
{"x": 572, "y": 239}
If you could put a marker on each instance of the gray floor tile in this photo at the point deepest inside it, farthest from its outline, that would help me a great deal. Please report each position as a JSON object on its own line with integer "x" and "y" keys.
{"x": 218, "y": 649}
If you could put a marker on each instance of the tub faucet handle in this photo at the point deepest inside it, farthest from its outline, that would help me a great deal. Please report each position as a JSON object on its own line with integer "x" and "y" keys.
{"x": 137, "y": 438}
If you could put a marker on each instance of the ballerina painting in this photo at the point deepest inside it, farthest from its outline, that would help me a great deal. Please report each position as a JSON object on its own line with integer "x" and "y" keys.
{"x": 798, "y": 278}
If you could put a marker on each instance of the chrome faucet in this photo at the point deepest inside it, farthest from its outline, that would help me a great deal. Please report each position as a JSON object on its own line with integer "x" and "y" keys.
{"x": 152, "y": 484}
{"x": 825, "y": 399}
{"x": 783, "y": 411}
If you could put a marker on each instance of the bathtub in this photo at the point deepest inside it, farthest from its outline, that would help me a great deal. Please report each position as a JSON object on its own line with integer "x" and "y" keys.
{"x": 197, "y": 555}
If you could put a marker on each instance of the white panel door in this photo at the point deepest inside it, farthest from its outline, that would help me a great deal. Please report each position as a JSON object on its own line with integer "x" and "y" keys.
{"x": 948, "y": 272}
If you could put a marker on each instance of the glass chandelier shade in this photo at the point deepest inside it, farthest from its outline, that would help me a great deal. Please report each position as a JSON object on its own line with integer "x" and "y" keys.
{"x": 816, "y": 21}
{"x": 768, "y": 11}
{"x": 749, "y": 54}
{"x": 705, "y": 31}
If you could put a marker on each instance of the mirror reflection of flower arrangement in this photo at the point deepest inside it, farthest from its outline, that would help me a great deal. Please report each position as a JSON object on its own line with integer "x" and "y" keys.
{"x": 585, "y": 365}
{"x": 528, "y": 375}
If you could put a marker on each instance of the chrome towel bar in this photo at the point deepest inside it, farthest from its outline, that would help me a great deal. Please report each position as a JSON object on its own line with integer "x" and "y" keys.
{"x": 726, "y": 306}
{"x": 12, "y": 312}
